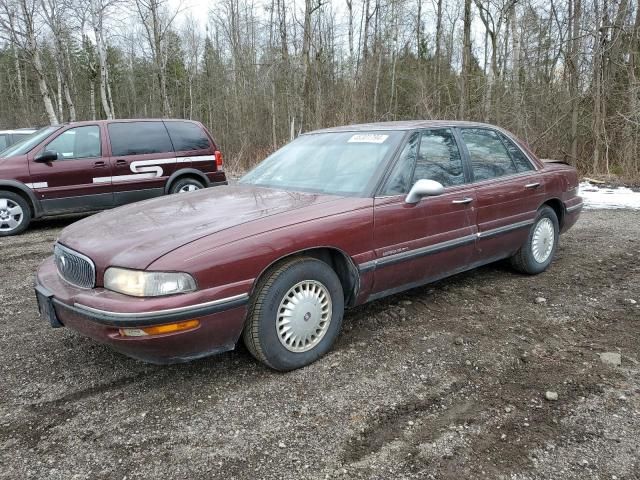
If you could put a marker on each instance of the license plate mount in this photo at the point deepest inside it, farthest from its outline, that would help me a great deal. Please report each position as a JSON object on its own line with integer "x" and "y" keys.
{"x": 45, "y": 307}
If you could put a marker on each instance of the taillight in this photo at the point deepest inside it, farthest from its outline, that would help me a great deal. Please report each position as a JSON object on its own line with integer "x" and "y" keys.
{"x": 219, "y": 160}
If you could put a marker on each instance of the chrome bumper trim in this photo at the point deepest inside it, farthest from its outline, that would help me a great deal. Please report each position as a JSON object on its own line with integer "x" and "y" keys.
{"x": 156, "y": 317}
{"x": 573, "y": 208}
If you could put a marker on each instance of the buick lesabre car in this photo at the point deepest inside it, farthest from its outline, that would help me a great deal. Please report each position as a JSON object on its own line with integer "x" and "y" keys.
{"x": 334, "y": 219}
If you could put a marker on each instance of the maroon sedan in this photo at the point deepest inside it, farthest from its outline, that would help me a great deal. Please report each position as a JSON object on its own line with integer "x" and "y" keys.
{"x": 336, "y": 218}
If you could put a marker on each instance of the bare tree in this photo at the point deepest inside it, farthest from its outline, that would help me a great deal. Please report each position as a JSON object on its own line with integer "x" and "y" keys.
{"x": 18, "y": 21}
{"x": 156, "y": 20}
{"x": 55, "y": 12}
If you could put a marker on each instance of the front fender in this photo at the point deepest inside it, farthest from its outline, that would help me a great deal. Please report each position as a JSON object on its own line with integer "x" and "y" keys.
{"x": 29, "y": 193}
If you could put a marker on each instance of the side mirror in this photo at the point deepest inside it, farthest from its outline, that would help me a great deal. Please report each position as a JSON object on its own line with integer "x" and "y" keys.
{"x": 424, "y": 188}
{"x": 46, "y": 156}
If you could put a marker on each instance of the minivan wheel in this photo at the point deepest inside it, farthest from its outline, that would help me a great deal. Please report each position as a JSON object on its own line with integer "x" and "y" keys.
{"x": 295, "y": 314}
{"x": 537, "y": 253}
{"x": 15, "y": 214}
{"x": 184, "y": 185}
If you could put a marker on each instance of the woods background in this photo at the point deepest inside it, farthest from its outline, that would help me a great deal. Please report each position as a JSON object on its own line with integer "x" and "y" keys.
{"x": 562, "y": 74}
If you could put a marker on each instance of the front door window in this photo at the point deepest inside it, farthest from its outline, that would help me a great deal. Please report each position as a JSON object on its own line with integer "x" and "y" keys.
{"x": 80, "y": 142}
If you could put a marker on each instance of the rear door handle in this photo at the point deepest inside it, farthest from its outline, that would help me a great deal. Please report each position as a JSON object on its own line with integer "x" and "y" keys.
{"x": 99, "y": 164}
{"x": 532, "y": 185}
{"x": 463, "y": 200}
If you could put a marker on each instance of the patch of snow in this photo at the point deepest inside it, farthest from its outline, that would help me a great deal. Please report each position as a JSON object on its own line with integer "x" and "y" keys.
{"x": 596, "y": 197}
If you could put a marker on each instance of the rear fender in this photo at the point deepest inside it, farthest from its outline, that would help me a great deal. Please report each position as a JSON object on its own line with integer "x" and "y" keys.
{"x": 186, "y": 172}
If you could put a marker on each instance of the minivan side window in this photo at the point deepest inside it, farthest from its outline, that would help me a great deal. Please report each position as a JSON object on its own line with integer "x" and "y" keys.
{"x": 187, "y": 136}
{"x": 138, "y": 138}
{"x": 520, "y": 159}
{"x": 439, "y": 158}
{"x": 4, "y": 141}
{"x": 79, "y": 142}
{"x": 489, "y": 157}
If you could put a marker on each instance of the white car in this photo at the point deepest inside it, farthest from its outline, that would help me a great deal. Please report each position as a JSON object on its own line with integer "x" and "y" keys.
{"x": 9, "y": 137}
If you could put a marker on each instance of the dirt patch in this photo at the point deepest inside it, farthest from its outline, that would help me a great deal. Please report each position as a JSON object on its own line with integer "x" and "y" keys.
{"x": 447, "y": 381}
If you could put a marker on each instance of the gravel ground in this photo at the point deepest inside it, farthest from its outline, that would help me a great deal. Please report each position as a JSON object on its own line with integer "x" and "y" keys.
{"x": 445, "y": 381}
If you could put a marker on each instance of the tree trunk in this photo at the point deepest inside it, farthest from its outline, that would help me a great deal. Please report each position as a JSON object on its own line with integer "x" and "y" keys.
{"x": 59, "y": 95}
{"x": 365, "y": 34}
{"x": 419, "y": 30}
{"x": 92, "y": 99}
{"x": 96, "y": 20}
{"x": 574, "y": 88}
{"x": 42, "y": 84}
{"x": 306, "y": 58}
{"x": 466, "y": 61}
{"x": 597, "y": 90}
{"x": 439, "y": 38}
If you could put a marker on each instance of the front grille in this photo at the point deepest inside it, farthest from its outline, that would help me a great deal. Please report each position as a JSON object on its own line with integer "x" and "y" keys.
{"x": 74, "y": 267}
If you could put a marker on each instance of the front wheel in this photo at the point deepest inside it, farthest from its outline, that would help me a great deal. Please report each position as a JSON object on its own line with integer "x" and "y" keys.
{"x": 295, "y": 314}
{"x": 15, "y": 214}
{"x": 536, "y": 254}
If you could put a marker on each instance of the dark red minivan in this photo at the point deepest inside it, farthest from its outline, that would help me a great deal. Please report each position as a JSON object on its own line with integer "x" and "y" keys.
{"x": 89, "y": 166}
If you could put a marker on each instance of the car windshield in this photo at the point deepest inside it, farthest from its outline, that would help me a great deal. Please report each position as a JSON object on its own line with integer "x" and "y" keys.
{"x": 335, "y": 163}
{"x": 26, "y": 144}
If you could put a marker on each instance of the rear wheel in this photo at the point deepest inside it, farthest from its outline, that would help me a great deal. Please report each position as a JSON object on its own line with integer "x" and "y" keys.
{"x": 186, "y": 184}
{"x": 537, "y": 253}
{"x": 15, "y": 214}
{"x": 295, "y": 314}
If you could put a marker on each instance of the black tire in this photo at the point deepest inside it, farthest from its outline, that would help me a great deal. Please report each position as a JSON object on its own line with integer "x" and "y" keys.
{"x": 524, "y": 260}
{"x": 260, "y": 333}
{"x": 24, "y": 217}
{"x": 185, "y": 182}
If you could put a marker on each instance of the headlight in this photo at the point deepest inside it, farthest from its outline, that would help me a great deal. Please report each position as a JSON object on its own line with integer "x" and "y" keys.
{"x": 147, "y": 284}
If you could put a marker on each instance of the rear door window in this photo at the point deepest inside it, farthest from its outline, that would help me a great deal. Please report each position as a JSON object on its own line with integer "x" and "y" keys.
{"x": 187, "y": 136}
{"x": 489, "y": 157}
{"x": 139, "y": 138}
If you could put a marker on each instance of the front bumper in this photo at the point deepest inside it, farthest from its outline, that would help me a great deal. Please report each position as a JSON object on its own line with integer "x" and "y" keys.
{"x": 221, "y": 321}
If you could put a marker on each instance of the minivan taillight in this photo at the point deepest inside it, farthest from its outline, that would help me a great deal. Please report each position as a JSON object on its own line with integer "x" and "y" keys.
{"x": 219, "y": 160}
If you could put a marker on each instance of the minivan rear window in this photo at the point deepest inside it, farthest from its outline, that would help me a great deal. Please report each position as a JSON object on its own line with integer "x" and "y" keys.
{"x": 187, "y": 136}
{"x": 138, "y": 138}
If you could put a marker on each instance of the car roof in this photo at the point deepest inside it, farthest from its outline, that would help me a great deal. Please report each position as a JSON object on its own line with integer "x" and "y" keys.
{"x": 127, "y": 120}
{"x": 402, "y": 125}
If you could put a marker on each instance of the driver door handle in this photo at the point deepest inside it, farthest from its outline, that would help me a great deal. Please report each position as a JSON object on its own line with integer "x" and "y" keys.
{"x": 99, "y": 164}
{"x": 532, "y": 185}
{"x": 463, "y": 200}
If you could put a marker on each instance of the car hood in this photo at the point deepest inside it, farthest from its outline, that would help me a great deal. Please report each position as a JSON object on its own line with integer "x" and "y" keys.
{"x": 8, "y": 160}
{"x": 135, "y": 235}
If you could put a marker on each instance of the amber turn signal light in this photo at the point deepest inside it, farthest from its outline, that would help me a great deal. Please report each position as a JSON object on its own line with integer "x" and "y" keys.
{"x": 159, "y": 329}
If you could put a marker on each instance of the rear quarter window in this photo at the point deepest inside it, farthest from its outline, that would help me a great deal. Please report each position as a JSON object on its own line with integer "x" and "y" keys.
{"x": 138, "y": 138}
{"x": 187, "y": 136}
{"x": 519, "y": 158}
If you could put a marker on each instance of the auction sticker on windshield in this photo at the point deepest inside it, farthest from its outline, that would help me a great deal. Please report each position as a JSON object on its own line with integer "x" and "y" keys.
{"x": 368, "y": 138}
